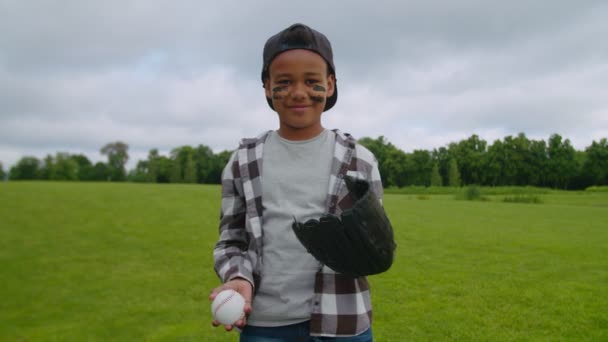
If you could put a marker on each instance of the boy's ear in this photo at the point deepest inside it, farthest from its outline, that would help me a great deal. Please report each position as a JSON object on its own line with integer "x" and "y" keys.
{"x": 267, "y": 88}
{"x": 331, "y": 85}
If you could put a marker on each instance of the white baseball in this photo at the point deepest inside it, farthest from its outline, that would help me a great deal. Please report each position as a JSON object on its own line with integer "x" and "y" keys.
{"x": 228, "y": 307}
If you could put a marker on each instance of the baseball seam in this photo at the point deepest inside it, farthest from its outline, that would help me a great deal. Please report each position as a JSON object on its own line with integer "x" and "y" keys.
{"x": 226, "y": 300}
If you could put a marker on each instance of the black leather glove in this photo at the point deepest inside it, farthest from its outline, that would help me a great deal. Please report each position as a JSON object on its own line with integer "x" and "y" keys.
{"x": 359, "y": 243}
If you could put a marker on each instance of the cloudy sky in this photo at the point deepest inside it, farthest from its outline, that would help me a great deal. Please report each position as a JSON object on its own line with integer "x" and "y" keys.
{"x": 77, "y": 74}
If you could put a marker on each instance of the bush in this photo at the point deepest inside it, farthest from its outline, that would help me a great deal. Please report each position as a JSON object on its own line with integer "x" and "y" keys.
{"x": 471, "y": 193}
{"x": 450, "y": 190}
{"x": 522, "y": 198}
{"x": 424, "y": 190}
{"x": 514, "y": 190}
{"x": 597, "y": 188}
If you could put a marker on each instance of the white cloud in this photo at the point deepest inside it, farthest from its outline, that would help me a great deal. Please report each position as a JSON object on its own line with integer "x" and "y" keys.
{"x": 78, "y": 74}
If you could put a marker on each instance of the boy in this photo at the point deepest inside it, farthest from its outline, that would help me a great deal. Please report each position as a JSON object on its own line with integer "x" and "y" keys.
{"x": 294, "y": 172}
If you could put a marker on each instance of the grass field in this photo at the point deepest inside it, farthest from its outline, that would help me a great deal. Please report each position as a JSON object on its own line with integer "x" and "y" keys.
{"x": 132, "y": 262}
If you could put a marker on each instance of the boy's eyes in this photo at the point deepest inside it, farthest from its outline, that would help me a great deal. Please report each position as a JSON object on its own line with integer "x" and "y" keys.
{"x": 309, "y": 82}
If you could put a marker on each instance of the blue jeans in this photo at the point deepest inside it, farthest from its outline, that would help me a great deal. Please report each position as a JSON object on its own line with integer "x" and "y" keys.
{"x": 295, "y": 333}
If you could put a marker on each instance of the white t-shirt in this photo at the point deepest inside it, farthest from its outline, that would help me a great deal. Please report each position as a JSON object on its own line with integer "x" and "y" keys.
{"x": 295, "y": 181}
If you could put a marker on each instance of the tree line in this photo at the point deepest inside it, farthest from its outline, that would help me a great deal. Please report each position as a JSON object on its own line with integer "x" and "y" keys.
{"x": 512, "y": 161}
{"x": 184, "y": 164}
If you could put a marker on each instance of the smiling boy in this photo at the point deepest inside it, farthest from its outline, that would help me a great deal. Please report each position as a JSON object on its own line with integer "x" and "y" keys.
{"x": 296, "y": 171}
{"x": 298, "y": 85}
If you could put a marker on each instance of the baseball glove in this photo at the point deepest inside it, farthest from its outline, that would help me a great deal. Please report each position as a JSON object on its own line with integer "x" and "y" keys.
{"x": 358, "y": 243}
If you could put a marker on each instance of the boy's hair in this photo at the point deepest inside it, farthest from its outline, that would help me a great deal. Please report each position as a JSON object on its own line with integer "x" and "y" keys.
{"x": 300, "y": 36}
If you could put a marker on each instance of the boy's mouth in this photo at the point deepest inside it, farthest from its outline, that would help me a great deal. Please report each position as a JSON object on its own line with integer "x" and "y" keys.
{"x": 299, "y": 108}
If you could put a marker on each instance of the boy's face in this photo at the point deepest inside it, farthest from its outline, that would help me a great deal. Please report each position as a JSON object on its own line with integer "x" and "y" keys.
{"x": 298, "y": 85}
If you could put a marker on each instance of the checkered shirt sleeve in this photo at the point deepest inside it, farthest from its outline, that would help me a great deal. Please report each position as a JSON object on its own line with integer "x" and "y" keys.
{"x": 231, "y": 255}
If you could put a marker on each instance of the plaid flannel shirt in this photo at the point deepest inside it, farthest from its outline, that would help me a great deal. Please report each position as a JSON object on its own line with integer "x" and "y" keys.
{"x": 341, "y": 304}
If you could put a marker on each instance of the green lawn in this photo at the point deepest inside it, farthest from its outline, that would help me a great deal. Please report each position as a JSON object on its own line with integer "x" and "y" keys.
{"x": 102, "y": 261}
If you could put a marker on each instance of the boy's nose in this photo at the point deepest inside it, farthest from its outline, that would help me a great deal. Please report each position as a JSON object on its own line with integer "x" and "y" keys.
{"x": 299, "y": 91}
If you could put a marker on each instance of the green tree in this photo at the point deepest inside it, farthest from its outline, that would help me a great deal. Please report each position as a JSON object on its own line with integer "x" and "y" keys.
{"x": 101, "y": 172}
{"x": 418, "y": 168}
{"x": 153, "y": 166}
{"x": 27, "y": 168}
{"x": 435, "y": 176}
{"x": 596, "y": 164}
{"x": 140, "y": 173}
{"x": 454, "y": 174}
{"x": 149, "y": 170}
{"x": 118, "y": 156}
{"x": 442, "y": 157}
{"x": 515, "y": 161}
{"x": 395, "y": 167}
{"x": 66, "y": 168}
{"x": 518, "y": 148}
{"x": 505, "y": 161}
{"x": 179, "y": 160}
{"x": 561, "y": 163}
{"x": 219, "y": 162}
{"x": 2, "y": 172}
{"x": 165, "y": 166}
{"x": 85, "y": 167}
{"x": 519, "y": 165}
{"x": 582, "y": 179}
{"x": 176, "y": 172}
{"x": 204, "y": 162}
{"x": 537, "y": 163}
{"x": 184, "y": 168}
{"x": 190, "y": 170}
{"x": 47, "y": 168}
{"x": 59, "y": 167}
{"x": 470, "y": 154}
{"x": 494, "y": 161}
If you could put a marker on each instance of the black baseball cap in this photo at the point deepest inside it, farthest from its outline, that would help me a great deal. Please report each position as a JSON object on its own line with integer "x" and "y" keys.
{"x": 311, "y": 40}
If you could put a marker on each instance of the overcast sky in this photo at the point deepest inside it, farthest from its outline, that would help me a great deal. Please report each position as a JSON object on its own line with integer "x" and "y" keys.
{"x": 77, "y": 74}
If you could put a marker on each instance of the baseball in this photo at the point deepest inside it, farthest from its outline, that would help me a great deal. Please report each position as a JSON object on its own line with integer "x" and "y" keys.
{"x": 228, "y": 307}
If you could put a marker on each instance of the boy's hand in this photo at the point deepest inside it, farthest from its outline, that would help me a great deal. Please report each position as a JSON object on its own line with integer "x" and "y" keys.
{"x": 245, "y": 289}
